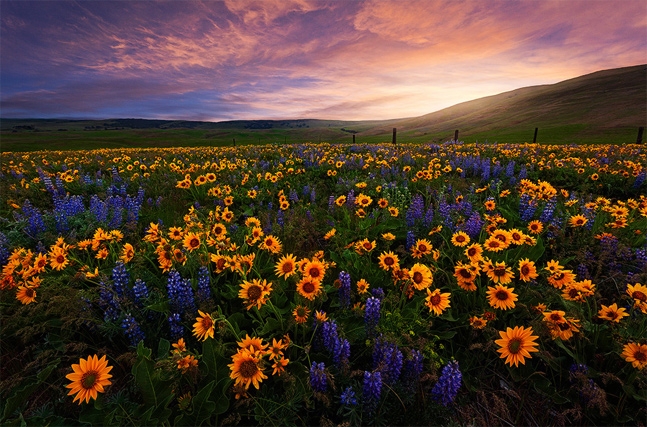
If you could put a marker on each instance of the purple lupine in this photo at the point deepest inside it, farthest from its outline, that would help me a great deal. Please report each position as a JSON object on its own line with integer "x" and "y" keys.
{"x": 120, "y": 279}
{"x": 372, "y": 315}
{"x": 318, "y": 379}
{"x": 108, "y": 303}
{"x": 204, "y": 284}
{"x": 411, "y": 239}
{"x": 549, "y": 211}
{"x": 140, "y": 291}
{"x": 450, "y": 381}
{"x": 329, "y": 333}
{"x": 411, "y": 369}
{"x": 132, "y": 330}
{"x": 348, "y": 397}
{"x": 387, "y": 359}
{"x": 527, "y": 207}
{"x": 415, "y": 211}
{"x": 175, "y": 326}
{"x": 344, "y": 289}
{"x": 180, "y": 293}
{"x": 473, "y": 225}
{"x": 372, "y": 390}
{"x": 4, "y": 249}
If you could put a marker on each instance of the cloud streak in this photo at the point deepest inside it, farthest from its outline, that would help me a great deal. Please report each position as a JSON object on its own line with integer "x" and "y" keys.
{"x": 299, "y": 58}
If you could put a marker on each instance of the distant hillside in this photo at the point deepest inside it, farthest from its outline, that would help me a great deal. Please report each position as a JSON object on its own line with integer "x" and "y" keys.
{"x": 602, "y": 107}
{"x": 586, "y": 107}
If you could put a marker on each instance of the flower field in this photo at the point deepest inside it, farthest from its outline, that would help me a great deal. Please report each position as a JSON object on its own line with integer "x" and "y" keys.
{"x": 319, "y": 284}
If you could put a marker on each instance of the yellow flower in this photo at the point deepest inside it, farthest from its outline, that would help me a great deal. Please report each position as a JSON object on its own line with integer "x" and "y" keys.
{"x": 612, "y": 313}
{"x": 437, "y": 302}
{"x": 636, "y": 354}
{"x": 89, "y": 378}
{"x": 516, "y": 344}
{"x": 204, "y": 326}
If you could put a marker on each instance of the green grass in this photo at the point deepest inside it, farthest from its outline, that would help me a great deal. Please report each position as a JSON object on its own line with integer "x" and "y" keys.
{"x": 605, "y": 107}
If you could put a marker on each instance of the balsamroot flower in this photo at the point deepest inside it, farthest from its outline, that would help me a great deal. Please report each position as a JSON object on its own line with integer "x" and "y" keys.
{"x": 89, "y": 378}
{"x": 636, "y": 354}
{"x": 516, "y": 344}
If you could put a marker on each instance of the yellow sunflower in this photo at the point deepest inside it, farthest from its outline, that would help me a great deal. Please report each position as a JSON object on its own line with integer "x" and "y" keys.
{"x": 26, "y": 294}
{"x": 460, "y": 239}
{"x": 286, "y": 266}
{"x": 474, "y": 252}
{"x": 309, "y": 288}
{"x": 362, "y": 286}
{"x": 493, "y": 244}
{"x": 246, "y": 369}
{"x": 578, "y": 220}
{"x": 301, "y": 314}
{"x": 527, "y": 270}
{"x": 89, "y": 378}
{"x": 612, "y": 313}
{"x": 388, "y": 261}
{"x": 501, "y": 297}
{"x": 203, "y": 328}
{"x": 516, "y": 344}
{"x": 437, "y": 302}
{"x": 191, "y": 241}
{"x": 421, "y": 276}
{"x": 500, "y": 273}
{"x": 314, "y": 270}
{"x": 636, "y": 354}
{"x": 255, "y": 293}
{"x": 639, "y": 293}
{"x": 535, "y": 227}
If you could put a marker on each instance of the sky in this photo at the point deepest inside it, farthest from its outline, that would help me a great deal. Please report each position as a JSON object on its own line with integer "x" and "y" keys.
{"x": 295, "y": 59}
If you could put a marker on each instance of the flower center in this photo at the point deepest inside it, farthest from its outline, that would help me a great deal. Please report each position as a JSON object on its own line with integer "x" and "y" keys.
{"x": 389, "y": 261}
{"x": 463, "y": 272}
{"x": 29, "y": 293}
{"x": 514, "y": 345}
{"x": 248, "y": 368}
{"x": 89, "y": 379}
{"x": 254, "y": 292}
{"x": 639, "y": 296}
{"x": 640, "y": 356}
{"x": 471, "y": 252}
{"x": 525, "y": 270}
{"x": 501, "y": 295}
{"x": 207, "y": 323}
{"x": 499, "y": 271}
{"x": 287, "y": 267}
{"x": 417, "y": 277}
{"x": 60, "y": 259}
{"x": 194, "y": 243}
{"x": 435, "y": 300}
{"x": 314, "y": 272}
{"x": 308, "y": 287}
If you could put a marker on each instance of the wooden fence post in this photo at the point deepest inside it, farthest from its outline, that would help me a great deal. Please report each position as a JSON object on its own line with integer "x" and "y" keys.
{"x": 353, "y": 138}
{"x": 456, "y": 136}
{"x": 534, "y": 138}
{"x": 234, "y": 141}
{"x": 639, "y": 139}
{"x": 393, "y": 139}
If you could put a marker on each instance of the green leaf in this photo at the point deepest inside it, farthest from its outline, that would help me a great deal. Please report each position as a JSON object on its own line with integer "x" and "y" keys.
{"x": 157, "y": 393}
{"x": 160, "y": 307}
{"x": 28, "y": 386}
{"x": 163, "y": 348}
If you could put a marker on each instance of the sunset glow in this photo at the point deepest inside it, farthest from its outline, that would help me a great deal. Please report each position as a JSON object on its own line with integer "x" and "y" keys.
{"x": 279, "y": 59}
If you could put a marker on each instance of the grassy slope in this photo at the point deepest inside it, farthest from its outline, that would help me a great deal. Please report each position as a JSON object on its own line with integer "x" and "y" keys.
{"x": 606, "y": 106}
{"x": 603, "y": 107}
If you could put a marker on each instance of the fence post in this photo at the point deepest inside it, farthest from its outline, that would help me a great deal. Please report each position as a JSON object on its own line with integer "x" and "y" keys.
{"x": 353, "y": 138}
{"x": 639, "y": 139}
{"x": 393, "y": 139}
{"x": 456, "y": 136}
{"x": 234, "y": 141}
{"x": 534, "y": 138}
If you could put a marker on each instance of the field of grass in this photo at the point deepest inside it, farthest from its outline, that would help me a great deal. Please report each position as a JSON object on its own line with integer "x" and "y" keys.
{"x": 322, "y": 284}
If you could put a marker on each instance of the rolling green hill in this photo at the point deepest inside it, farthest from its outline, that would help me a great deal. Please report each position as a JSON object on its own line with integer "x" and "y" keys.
{"x": 602, "y": 107}
{"x": 606, "y": 106}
